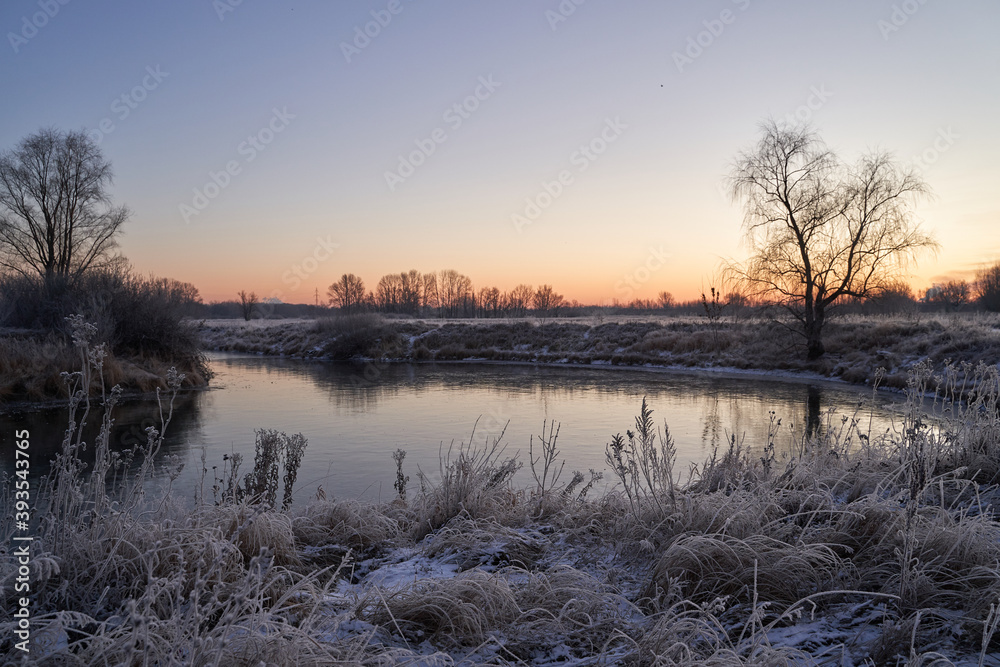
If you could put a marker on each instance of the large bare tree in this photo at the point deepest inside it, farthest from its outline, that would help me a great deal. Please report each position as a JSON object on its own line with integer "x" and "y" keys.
{"x": 388, "y": 292}
{"x": 410, "y": 284}
{"x": 546, "y": 301}
{"x": 818, "y": 229}
{"x": 56, "y": 216}
{"x": 348, "y": 293}
{"x": 455, "y": 293}
{"x": 518, "y": 300}
{"x": 429, "y": 294}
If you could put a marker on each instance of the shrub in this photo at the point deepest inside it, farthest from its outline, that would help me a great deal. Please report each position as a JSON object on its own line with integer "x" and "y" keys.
{"x": 142, "y": 320}
{"x": 360, "y": 335}
{"x": 132, "y": 314}
{"x": 273, "y": 451}
{"x": 474, "y": 480}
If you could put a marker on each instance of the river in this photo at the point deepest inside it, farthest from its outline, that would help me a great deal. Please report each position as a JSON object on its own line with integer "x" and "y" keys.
{"x": 356, "y": 415}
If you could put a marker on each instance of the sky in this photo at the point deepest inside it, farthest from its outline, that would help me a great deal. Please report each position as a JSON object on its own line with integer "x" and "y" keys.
{"x": 273, "y": 146}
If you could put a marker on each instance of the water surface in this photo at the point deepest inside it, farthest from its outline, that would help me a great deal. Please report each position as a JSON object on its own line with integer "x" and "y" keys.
{"x": 355, "y": 415}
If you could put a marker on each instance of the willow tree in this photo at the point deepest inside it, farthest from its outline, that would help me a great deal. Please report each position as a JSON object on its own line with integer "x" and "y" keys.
{"x": 818, "y": 229}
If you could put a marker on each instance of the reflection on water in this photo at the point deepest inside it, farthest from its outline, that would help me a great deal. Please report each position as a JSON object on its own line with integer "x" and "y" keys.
{"x": 355, "y": 416}
{"x": 47, "y": 429}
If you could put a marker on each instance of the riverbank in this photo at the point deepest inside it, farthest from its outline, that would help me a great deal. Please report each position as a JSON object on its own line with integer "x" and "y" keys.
{"x": 856, "y": 551}
{"x": 856, "y": 347}
{"x": 32, "y": 364}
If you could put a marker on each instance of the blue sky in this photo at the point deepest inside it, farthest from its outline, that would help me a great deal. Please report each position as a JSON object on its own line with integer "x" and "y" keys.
{"x": 664, "y": 94}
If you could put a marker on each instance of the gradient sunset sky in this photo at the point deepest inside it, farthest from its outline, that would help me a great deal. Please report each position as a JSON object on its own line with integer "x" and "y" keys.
{"x": 309, "y": 114}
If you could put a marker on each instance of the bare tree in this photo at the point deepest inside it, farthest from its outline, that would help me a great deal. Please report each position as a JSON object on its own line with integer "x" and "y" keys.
{"x": 546, "y": 301}
{"x": 348, "y": 293}
{"x": 410, "y": 284}
{"x": 489, "y": 301}
{"x": 455, "y": 293}
{"x": 56, "y": 217}
{"x": 895, "y": 297}
{"x": 818, "y": 229}
{"x": 248, "y": 304}
{"x": 642, "y": 304}
{"x": 388, "y": 292}
{"x": 518, "y": 300}
{"x": 168, "y": 290}
{"x": 988, "y": 288}
{"x": 952, "y": 295}
{"x": 665, "y": 299}
{"x": 429, "y": 295}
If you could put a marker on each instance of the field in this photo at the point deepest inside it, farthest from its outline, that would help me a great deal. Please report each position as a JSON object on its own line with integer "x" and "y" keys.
{"x": 859, "y": 549}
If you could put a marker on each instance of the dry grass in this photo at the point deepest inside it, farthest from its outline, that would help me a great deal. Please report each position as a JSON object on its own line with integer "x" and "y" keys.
{"x": 688, "y": 634}
{"x": 702, "y": 568}
{"x": 474, "y": 482}
{"x": 879, "y": 549}
{"x": 31, "y": 369}
{"x": 483, "y": 543}
{"x": 459, "y": 610}
{"x": 346, "y": 523}
{"x": 527, "y": 608}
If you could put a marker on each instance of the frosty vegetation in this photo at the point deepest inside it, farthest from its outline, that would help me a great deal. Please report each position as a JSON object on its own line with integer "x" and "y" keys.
{"x": 142, "y": 320}
{"x": 860, "y": 547}
{"x": 856, "y": 346}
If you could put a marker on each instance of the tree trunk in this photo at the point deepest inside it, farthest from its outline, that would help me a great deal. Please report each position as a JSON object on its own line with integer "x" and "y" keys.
{"x": 814, "y": 340}
{"x": 814, "y": 347}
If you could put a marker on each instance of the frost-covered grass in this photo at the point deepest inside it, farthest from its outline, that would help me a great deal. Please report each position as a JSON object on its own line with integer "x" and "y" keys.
{"x": 856, "y": 346}
{"x": 860, "y": 548}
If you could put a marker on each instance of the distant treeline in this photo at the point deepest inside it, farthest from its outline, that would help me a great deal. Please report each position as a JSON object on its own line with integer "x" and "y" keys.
{"x": 450, "y": 294}
{"x": 444, "y": 294}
